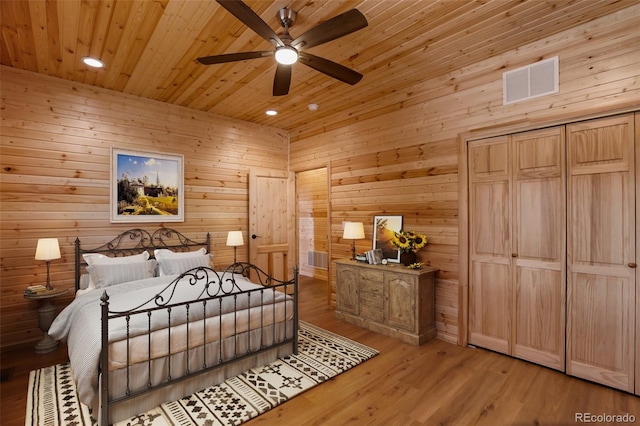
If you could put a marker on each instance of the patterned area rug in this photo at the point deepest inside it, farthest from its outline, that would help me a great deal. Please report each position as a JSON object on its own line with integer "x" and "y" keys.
{"x": 52, "y": 399}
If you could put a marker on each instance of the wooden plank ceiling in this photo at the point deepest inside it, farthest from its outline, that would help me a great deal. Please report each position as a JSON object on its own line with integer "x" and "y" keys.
{"x": 150, "y": 49}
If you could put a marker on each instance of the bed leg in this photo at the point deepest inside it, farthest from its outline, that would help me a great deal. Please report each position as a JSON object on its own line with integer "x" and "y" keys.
{"x": 104, "y": 363}
{"x": 295, "y": 310}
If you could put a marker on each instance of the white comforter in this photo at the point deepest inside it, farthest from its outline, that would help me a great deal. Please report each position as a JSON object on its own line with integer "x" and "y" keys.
{"x": 79, "y": 323}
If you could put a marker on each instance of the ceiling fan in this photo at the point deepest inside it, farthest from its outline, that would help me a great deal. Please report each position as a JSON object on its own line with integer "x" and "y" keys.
{"x": 289, "y": 50}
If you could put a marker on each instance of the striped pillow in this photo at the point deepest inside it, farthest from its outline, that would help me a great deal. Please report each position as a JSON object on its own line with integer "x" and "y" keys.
{"x": 178, "y": 265}
{"x": 104, "y": 275}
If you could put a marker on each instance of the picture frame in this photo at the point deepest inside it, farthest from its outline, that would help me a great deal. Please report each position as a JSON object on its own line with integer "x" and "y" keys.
{"x": 146, "y": 187}
{"x": 374, "y": 257}
{"x": 384, "y": 228}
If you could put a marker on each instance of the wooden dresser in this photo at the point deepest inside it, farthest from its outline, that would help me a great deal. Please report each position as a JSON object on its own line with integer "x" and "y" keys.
{"x": 388, "y": 299}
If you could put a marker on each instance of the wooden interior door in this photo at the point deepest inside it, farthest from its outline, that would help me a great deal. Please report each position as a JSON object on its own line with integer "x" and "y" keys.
{"x": 490, "y": 244}
{"x": 539, "y": 247}
{"x": 601, "y": 252}
{"x": 272, "y": 222}
{"x": 637, "y": 261}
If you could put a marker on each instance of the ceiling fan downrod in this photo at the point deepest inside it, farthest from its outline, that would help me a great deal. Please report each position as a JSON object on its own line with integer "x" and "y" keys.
{"x": 286, "y": 55}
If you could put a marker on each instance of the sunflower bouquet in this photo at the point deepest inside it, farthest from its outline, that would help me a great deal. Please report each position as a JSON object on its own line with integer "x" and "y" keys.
{"x": 408, "y": 241}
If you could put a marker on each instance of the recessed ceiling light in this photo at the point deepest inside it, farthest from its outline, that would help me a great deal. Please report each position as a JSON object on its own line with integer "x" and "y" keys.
{"x": 312, "y": 107}
{"x": 93, "y": 62}
{"x": 271, "y": 112}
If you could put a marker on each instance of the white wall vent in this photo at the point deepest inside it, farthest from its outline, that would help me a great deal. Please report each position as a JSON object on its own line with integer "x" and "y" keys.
{"x": 531, "y": 81}
{"x": 318, "y": 259}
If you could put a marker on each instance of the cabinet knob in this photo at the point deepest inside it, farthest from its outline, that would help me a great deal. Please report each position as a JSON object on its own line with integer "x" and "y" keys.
{"x": 633, "y": 265}
{"x": 514, "y": 254}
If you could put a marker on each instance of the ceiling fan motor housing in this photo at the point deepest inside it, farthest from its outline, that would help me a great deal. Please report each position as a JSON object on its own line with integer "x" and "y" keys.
{"x": 287, "y": 17}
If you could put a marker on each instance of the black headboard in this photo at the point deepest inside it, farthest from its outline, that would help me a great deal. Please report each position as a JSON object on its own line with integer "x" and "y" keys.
{"x": 135, "y": 241}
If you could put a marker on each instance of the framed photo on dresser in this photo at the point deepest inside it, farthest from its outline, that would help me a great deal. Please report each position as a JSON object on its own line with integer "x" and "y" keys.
{"x": 384, "y": 229}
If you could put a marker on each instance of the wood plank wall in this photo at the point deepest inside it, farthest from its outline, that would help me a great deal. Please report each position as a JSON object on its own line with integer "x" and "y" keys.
{"x": 403, "y": 160}
{"x": 312, "y": 207}
{"x": 55, "y": 156}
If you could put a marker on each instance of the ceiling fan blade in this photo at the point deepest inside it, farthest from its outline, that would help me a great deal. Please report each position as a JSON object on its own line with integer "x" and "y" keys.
{"x": 233, "y": 57}
{"x": 251, "y": 19}
{"x": 282, "y": 80}
{"x": 330, "y": 68}
{"x": 334, "y": 28}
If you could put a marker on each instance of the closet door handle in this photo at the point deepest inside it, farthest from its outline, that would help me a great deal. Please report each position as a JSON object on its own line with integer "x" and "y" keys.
{"x": 633, "y": 265}
{"x": 514, "y": 254}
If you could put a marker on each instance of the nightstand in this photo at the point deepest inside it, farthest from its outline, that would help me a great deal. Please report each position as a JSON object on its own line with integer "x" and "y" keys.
{"x": 46, "y": 315}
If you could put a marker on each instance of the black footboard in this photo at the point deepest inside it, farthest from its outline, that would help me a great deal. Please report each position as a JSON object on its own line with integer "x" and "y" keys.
{"x": 229, "y": 320}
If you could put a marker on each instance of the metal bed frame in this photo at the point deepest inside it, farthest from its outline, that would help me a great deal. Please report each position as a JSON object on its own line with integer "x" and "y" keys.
{"x": 216, "y": 288}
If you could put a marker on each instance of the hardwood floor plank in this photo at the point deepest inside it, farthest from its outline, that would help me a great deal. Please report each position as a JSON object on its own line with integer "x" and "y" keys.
{"x": 434, "y": 384}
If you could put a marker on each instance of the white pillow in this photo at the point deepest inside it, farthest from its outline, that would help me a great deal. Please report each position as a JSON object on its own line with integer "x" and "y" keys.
{"x": 161, "y": 254}
{"x": 97, "y": 258}
{"x": 178, "y": 265}
{"x": 85, "y": 282}
{"x": 104, "y": 275}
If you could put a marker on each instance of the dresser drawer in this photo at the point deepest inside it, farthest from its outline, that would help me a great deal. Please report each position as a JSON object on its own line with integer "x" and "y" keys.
{"x": 371, "y": 295}
{"x": 371, "y": 275}
{"x": 371, "y": 313}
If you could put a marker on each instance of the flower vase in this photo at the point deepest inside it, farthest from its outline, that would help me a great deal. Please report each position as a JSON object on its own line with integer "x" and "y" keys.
{"x": 407, "y": 258}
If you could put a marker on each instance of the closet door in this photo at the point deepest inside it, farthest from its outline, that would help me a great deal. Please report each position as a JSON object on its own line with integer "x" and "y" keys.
{"x": 490, "y": 244}
{"x": 601, "y": 252}
{"x": 539, "y": 247}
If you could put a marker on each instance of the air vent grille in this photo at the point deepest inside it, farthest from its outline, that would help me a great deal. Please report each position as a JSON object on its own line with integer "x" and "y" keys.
{"x": 531, "y": 81}
{"x": 317, "y": 259}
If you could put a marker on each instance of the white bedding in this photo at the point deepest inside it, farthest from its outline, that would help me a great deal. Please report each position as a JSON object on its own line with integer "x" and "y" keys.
{"x": 79, "y": 324}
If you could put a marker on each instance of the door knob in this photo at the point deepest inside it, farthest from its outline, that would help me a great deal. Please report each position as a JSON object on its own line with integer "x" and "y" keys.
{"x": 254, "y": 236}
{"x": 514, "y": 254}
{"x": 633, "y": 265}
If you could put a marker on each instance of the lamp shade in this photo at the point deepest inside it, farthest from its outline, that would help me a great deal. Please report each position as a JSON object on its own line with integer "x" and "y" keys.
{"x": 47, "y": 249}
{"x": 234, "y": 238}
{"x": 353, "y": 231}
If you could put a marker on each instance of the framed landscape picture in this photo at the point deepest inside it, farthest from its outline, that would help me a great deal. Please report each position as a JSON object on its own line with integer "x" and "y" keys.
{"x": 384, "y": 228}
{"x": 146, "y": 187}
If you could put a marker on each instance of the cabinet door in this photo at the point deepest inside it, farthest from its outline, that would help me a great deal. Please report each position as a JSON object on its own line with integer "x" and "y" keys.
{"x": 539, "y": 247}
{"x": 601, "y": 252}
{"x": 347, "y": 289}
{"x": 400, "y": 301}
{"x": 490, "y": 244}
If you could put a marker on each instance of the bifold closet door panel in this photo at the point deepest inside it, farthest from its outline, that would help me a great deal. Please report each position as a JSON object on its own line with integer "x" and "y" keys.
{"x": 490, "y": 244}
{"x": 601, "y": 252}
{"x": 539, "y": 254}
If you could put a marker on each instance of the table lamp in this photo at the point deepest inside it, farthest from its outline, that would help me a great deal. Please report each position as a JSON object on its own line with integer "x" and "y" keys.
{"x": 353, "y": 231}
{"x": 47, "y": 250}
{"x": 234, "y": 239}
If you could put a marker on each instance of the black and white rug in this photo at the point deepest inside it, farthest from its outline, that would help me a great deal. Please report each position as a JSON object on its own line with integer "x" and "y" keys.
{"x": 52, "y": 399}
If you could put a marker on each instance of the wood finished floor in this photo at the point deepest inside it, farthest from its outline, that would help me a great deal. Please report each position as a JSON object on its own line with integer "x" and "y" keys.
{"x": 434, "y": 384}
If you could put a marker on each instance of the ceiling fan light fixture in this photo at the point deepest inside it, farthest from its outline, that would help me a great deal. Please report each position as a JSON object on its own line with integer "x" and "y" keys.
{"x": 286, "y": 55}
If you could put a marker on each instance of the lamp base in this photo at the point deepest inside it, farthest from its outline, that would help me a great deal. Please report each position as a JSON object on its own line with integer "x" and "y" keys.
{"x": 353, "y": 250}
{"x": 48, "y": 280}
